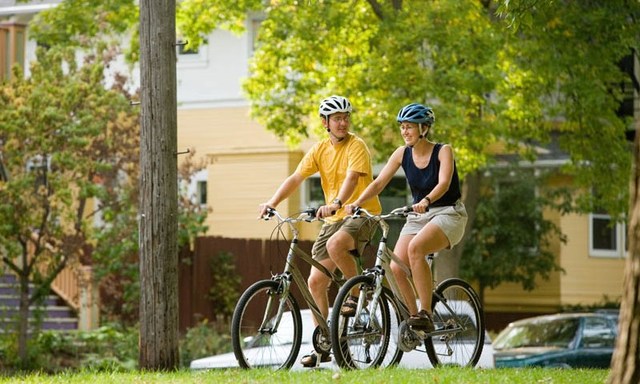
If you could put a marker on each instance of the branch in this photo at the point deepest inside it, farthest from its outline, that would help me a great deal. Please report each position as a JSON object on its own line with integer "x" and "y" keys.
{"x": 377, "y": 8}
{"x": 11, "y": 265}
{"x": 45, "y": 285}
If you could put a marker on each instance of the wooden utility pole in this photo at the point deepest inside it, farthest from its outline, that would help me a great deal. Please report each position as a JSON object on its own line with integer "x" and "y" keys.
{"x": 158, "y": 187}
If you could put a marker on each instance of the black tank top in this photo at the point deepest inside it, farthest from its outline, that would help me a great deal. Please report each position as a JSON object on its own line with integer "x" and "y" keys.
{"x": 423, "y": 180}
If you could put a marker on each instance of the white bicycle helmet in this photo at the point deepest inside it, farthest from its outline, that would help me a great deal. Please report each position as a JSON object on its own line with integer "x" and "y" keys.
{"x": 334, "y": 104}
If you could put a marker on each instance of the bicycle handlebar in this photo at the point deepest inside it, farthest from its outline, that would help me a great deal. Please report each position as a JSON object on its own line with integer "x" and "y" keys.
{"x": 307, "y": 215}
{"x": 401, "y": 211}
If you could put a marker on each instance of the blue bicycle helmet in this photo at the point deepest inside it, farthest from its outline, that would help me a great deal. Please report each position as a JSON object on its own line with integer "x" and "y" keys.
{"x": 416, "y": 113}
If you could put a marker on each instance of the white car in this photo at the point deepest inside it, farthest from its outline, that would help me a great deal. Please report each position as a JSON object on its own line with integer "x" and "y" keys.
{"x": 413, "y": 359}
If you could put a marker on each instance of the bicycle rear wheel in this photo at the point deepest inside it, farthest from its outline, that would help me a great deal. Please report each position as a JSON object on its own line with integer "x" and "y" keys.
{"x": 261, "y": 338}
{"x": 360, "y": 341}
{"x": 456, "y": 308}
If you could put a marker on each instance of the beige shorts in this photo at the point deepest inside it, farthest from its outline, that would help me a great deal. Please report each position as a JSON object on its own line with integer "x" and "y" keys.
{"x": 451, "y": 219}
{"x": 360, "y": 230}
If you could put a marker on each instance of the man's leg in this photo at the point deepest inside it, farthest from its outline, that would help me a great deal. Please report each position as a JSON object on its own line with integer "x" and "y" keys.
{"x": 318, "y": 284}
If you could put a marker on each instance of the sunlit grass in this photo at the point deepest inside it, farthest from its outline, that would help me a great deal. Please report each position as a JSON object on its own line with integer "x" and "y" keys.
{"x": 381, "y": 376}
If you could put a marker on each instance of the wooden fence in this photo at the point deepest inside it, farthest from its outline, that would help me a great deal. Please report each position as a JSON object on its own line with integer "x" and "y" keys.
{"x": 255, "y": 259}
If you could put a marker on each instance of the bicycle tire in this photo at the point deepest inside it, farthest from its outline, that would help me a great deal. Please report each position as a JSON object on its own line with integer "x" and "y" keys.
{"x": 394, "y": 353}
{"x": 461, "y": 348}
{"x": 274, "y": 346}
{"x": 359, "y": 343}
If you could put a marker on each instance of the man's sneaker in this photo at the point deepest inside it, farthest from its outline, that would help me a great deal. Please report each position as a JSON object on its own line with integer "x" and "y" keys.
{"x": 422, "y": 322}
{"x": 311, "y": 360}
{"x": 349, "y": 306}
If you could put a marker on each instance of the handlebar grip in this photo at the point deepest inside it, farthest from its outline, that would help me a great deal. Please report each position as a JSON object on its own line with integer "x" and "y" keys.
{"x": 311, "y": 211}
{"x": 270, "y": 212}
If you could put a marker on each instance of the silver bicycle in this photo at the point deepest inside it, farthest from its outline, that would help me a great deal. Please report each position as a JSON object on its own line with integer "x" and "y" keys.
{"x": 457, "y": 315}
{"x": 266, "y": 328}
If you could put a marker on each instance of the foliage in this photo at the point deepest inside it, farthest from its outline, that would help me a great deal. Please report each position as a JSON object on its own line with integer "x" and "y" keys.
{"x": 511, "y": 240}
{"x": 225, "y": 291}
{"x": 62, "y": 151}
{"x": 108, "y": 348}
{"x": 205, "y": 339}
{"x": 85, "y": 24}
{"x": 116, "y": 252}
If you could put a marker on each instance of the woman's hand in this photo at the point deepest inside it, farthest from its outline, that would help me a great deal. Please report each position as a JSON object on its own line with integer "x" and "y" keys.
{"x": 421, "y": 206}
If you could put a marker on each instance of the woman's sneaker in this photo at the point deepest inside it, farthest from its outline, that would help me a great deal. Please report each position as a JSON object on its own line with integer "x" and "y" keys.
{"x": 311, "y": 360}
{"x": 349, "y": 306}
{"x": 422, "y": 322}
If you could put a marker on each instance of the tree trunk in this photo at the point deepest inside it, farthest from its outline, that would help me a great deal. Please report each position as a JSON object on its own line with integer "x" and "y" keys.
{"x": 23, "y": 320}
{"x": 625, "y": 363}
{"x": 158, "y": 187}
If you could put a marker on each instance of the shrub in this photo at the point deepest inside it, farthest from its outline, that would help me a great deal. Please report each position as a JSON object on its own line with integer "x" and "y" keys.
{"x": 205, "y": 339}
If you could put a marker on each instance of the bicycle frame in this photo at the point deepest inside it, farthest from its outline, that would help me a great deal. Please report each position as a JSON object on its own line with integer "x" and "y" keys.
{"x": 292, "y": 274}
{"x": 382, "y": 269}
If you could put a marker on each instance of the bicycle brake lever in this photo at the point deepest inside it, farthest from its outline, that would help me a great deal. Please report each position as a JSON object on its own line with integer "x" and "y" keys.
{"x": 311, "y": 214}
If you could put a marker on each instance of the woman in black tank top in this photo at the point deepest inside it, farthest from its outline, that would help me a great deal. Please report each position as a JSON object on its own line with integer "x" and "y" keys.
{"x": 435, "y": 187}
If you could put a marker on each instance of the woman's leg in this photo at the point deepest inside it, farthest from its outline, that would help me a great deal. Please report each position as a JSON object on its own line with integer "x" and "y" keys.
{"x": 429, "y": 240}
{"x": 401, "y": 250}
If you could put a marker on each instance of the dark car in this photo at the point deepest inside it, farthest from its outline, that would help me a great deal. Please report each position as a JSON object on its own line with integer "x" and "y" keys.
{"x": 566, "y": 340}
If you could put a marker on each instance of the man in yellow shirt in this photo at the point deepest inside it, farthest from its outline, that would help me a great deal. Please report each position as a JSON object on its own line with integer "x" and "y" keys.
{"x": 344, "y": 163}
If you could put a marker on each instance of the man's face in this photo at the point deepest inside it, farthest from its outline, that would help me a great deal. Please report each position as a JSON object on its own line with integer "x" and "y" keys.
{"x": 338, "y": 124}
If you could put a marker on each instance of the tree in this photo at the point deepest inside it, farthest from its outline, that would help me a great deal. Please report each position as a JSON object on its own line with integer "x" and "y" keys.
{"x": 64, "y": 144}
{"x": 487, "y": 81}
{"x": 511, "y": 239}
{"x": 158, "y": 187}
{"x": 577, "y": 50}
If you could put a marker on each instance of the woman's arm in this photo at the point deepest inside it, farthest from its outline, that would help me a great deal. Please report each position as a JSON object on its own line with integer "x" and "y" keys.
{"x": 389, "y": 170}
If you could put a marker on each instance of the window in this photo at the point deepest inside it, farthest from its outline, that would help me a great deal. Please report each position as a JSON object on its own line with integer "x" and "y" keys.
{"x": 196, "y": 187}
{"x": 201, "y": 192}
{"x": 183, "y": 50}
{"x": 396, "y": 193}
{"x": 598, "y": 333}
{"x": 255, "y": 21}
{"x": 606, "y": 237}
{"x": 192, "y": 58}
{"x": 40, "y": 167}
{"x": 12, "y": 47}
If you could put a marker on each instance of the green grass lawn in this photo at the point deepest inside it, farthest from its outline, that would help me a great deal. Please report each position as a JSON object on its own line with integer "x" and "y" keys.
{"x": 381, "y": 376}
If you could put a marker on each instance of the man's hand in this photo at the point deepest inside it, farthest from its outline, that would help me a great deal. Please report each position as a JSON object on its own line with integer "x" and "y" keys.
{"x": 262, "y": 208}
{"x": 327, "y": 210}
{"x": 350, "y": 208}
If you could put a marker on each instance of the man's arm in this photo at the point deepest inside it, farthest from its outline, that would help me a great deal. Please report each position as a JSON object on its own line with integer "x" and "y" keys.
{"x": 346, "y": 190}
{"x": 287, "y": 187}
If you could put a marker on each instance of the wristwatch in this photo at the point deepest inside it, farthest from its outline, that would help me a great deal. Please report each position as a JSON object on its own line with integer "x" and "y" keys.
{"x": 337, "y": 201}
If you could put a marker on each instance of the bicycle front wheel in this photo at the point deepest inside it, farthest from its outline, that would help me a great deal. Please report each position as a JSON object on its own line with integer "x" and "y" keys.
{"x": 459, "y": 322}
{"x": 266, "y": 329}
{"x": 360, "y": 341}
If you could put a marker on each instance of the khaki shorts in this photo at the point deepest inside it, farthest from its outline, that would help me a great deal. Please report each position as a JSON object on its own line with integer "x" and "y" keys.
{"x": 451, "y": 219}
{"x": 360, "y": 229}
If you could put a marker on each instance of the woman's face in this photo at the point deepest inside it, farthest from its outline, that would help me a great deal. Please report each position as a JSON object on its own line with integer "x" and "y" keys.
{"x": 410, "y": 132}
